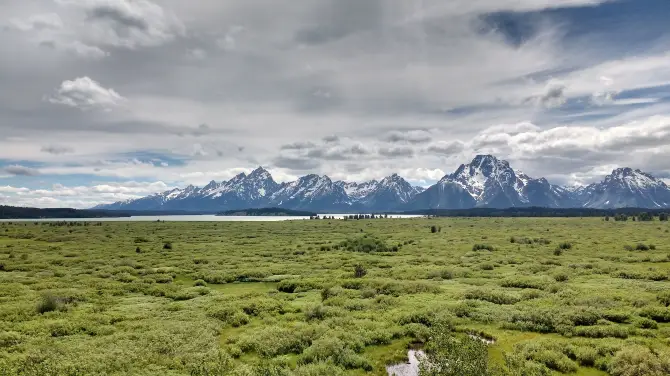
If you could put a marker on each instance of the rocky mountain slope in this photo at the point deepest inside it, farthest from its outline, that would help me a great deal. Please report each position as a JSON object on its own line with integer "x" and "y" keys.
{"x": 484, "y": 182}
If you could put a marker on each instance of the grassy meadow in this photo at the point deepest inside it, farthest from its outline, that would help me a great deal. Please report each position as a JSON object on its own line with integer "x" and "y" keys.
{"x": 330, "y": 297}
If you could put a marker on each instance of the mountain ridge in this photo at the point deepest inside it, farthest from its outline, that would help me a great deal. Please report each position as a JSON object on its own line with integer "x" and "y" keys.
{"x": 485, "y": 182}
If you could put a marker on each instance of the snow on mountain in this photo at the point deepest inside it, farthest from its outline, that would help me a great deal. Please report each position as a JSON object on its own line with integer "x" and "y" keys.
{"x": 358, "y": 191}
{"x": 626, "y": 187}
{"x": 310, "y": 191}
{"x": 484, "y": 182}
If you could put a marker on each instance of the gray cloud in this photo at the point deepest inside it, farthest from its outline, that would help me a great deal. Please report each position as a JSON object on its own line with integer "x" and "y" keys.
{"x": 412, "y": 137}
{"x": 331, "y": 139}
{"x": 118, "y": 14}
{"x": 17, "y": 170}
{"x": 298, "y": 145}
{"x": 397, "y": 152}
{"x": 56, "y": 149}
{"x": 446, "y": 148}
{"x": 296, "y": 164}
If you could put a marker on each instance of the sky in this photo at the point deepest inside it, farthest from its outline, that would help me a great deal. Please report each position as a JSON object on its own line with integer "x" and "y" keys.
{"x": 108, "y": 100}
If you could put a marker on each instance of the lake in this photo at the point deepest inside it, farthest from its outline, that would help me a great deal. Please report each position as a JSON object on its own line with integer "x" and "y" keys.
{"x": 188, "y": 218}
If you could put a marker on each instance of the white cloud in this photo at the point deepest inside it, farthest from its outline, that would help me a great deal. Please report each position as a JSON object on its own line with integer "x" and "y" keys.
{"x": 85, "y": 94}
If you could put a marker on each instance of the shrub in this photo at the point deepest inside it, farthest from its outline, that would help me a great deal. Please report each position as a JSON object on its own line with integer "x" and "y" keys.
{"x": 482, "y": 247}
{"x": 433, "y": 229}
{"x": 558, "y": 252}
{"x": 454, "y": 355}
{"x": 657, "y": 314}
{"x": 565, "y": 246}
{"x": 523, "y": 283}
{"x": 561, "y": 277}
{"x": 49, "y": 303}
{"x": 637, "y": 360}
{"x": 490, "y": 296}
{"x": 641, "y": 247}
{"x": 664, "y": 298}
{"x": 646, "y": 323}
{"x": 360, "y": 271}
{"x": 318, "y": 312}
{"x": 615, "y": 331}
{"x": 138, "y": 250}
{"x": 367, "y": 244}
{"x": 167, "y": 245}
{"x": 200, "y": 282}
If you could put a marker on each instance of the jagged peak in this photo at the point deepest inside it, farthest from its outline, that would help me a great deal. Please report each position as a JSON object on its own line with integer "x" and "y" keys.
{"x": 212, "y": 184}
{"x": 259, "y": 171}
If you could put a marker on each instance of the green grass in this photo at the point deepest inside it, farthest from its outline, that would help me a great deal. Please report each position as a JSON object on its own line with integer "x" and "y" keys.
{"x": 283, "y": 297}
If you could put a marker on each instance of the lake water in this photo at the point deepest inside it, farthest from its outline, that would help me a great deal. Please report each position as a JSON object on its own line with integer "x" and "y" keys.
{"x": 188, "y": 218}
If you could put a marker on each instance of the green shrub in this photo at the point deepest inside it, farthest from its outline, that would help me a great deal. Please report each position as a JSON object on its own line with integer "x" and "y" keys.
{"x": 9, "y": 339}
{"x": 614, "y": 331}
{"x": 637, "y": 360}
{"x": 360, "y": 271}
{"x": 641, "y": 247}
{"x": 523, "y": 283}
{"x": 200, "y": 282}
{"x": 317, "y": 312}
{"x": 49, "y": 303}
{"x": 167, "y": 245}
{"x": 367, "y": 244}
{"x": 483, "y": 247}
{"x": 565, "y": 246}
{"x": 561, "y": 277}
{"x": 657, "y": 314}
{"x": 491, "y": 296}
{"x": 664, "y": 298}
{"x": 558, "y": 252}
{"x": 646, "y": 323}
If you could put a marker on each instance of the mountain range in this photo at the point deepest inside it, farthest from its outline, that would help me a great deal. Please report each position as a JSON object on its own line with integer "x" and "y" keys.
{"x": 484, "y": 182}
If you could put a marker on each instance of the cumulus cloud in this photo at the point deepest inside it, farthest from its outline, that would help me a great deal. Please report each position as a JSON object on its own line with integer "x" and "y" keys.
{"x": 85, "y": 93}
{"x": 59, "y": 195}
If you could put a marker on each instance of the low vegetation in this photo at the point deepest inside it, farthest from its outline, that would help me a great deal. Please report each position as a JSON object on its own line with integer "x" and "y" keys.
{"x": 557, "y": 296}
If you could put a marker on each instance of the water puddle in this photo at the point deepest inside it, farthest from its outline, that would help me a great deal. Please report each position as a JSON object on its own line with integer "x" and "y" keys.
{"x": 411, "y": 368}
{"x": 415, "y": 357}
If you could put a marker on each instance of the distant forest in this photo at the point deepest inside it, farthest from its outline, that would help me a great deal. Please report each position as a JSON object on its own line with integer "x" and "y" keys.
{"x": 539, "y": 212}
{"x": 279, "y": 212}
{"x": 12, "y": 212}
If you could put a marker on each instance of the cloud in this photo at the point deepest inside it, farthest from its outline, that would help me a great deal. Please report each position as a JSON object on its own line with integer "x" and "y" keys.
{"x": 56, "y": 149}
{"x": 18, "y": 170}
{"x": 37, "y": 22}
{"x": 59, "y": 195}
{"x": 553, "y": 96}
{"x": 412, "y": 137}
{"x": 126, "y": 23}
{"x": 85, "y": 94}
{"x": 396, "y": 152}
{"x": 299, "y": 145}
{"x": 446, "y": 148}
{"x": 296, "y": 163}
